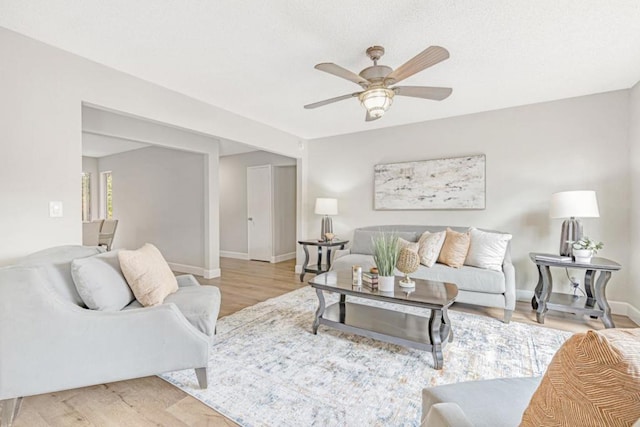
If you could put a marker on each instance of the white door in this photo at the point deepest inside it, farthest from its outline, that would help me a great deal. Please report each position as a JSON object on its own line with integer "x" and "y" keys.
{"x": 259, "y": 213}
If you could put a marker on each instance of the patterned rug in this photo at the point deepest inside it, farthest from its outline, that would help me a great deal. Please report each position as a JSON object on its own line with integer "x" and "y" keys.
{"x": 268, "y": 369}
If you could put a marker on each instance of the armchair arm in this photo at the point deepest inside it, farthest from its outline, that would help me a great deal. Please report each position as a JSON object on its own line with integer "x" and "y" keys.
{"x": 446, "y": 414}
{"x": 509, "y": 280}
{"x": 48, "y": 344}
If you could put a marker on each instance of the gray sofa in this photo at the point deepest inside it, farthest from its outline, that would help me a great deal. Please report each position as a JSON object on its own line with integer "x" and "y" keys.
{"x": 49, "y": 341}
{"x": 476, "y": 286}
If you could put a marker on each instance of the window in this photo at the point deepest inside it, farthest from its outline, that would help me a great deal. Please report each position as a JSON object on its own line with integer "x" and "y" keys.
{"x": 106, "y": 195}
{"x": 86, "y": 196}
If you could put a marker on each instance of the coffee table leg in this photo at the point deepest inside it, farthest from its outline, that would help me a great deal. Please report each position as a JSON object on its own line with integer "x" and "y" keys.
{"x": 435, "y": 321}
{"x": 319, "y": 311}
{"x": 446, "y": 326}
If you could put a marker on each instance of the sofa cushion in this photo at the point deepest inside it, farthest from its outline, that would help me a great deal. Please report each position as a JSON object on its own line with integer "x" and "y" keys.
{"x": 148, "y": 274}
{"x": 466, "y": 278}
{"x": 488, "y": 403}
{"x": 454, "y": 249}
{"x": 429, "y": 246}
{"x": 487, "y": 250}
{"x": 200, "y": 305}
{"x": 100, "y": 282}
{"x": 363, "y": 239}
{"x": 55, "y": 266}
{"x": 593, "y": 380}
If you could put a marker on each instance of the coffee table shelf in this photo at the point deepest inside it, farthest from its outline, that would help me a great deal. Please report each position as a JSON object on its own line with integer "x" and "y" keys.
{"x": 394, "y": 327}
{"x": 388, "y": 324}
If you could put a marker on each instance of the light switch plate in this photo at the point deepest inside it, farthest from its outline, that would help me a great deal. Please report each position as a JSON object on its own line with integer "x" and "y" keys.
{"x": 55, "y": 209}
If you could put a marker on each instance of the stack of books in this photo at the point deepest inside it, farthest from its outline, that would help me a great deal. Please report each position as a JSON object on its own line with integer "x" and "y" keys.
{"x": 370, "y": 280}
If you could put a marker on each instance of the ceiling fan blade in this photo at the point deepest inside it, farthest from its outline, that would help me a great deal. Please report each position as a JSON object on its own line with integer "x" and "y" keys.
{"x": 370, "y": 118}
{"x": 425, "y": 59}
{"x": 426, "y": 92}
{"x": 331, "y": 100}
{"x": 336, "y": 70}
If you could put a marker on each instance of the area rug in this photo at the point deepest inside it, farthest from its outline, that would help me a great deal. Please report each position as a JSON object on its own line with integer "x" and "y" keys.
{"x": 268, "y": 369}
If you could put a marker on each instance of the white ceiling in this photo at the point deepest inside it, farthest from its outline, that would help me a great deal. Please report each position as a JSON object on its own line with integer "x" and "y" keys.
{"x": 256, "y": 58}
{"x": 94, "y": 145}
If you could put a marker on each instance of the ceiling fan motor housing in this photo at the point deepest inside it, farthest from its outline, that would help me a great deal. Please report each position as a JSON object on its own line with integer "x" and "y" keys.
{"x": 376, "y": 73}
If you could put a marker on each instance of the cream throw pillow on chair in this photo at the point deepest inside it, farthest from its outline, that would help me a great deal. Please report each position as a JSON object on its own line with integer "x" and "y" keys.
{"x": 148, "y": 274}
{"x": 429, "y": 247}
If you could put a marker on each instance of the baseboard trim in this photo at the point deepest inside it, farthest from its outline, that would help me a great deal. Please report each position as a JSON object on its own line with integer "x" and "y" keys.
{"x": 617, "y": 307}
{"x": 236, "y": 255}
{"x": 191, "y": 269}
{"x": 283, "y": 257}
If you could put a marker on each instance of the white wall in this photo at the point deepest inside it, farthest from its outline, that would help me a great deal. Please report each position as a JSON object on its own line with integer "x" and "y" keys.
{"x": 531, "y": 152}
{"x": 90, "y": 165}
{"x": 233, "y": 197}
{"x": 633, "y": 290}
{"x": 158, "y": 197}
{"x": 43, "y": 89}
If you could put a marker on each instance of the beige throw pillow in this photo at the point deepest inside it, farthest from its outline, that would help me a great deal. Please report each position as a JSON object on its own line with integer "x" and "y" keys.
{"x": 593, "y": 380}
{"x": 487, "y": 250}
{"x": 455, "y": 248}
{"x": 429, "y": 247}
{"x": 148, "y": 274}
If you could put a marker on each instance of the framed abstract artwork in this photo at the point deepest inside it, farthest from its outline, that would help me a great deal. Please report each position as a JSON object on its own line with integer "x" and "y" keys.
{"x": 453, "y": 183}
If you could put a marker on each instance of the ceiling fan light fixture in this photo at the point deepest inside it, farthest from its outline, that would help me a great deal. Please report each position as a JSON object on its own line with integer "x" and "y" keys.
{"x": 377, "y": 101}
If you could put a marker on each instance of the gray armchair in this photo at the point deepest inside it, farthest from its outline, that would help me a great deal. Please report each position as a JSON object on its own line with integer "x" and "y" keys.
{"x": 50, "y": 342}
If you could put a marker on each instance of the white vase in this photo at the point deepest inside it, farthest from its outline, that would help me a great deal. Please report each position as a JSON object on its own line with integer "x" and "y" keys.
{"x": 386, "y": 283}
{"x": 582, "y": 256}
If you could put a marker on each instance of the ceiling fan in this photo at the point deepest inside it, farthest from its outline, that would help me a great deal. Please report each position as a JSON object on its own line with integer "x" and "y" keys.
{"x": 377, "y": 95}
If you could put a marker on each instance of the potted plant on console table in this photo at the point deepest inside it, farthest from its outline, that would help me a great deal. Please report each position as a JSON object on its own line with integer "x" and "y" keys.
{"x": 385, "y": 255}
{"x": 584, "y": 249}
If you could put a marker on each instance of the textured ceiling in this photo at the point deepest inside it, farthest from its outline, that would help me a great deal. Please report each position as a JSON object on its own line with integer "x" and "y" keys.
{"x": 256, "y": 58}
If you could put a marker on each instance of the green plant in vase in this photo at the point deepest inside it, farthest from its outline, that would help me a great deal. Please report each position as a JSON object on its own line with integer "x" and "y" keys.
{"x": 584, "y": 249}
{"x": 385, "y": 255}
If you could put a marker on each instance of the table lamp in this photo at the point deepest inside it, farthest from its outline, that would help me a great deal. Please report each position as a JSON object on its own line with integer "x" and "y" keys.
{"x": 326, "y": 207}
{"x": 572, "y": 205}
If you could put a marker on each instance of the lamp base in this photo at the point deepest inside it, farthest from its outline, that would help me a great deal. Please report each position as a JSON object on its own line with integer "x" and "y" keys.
{"x": 571, "y": 232}
{"x": 325, "y": 227}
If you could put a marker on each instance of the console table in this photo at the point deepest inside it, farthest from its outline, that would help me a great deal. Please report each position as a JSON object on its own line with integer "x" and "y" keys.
{"x": 596, "y": 277}
{"x": 318, "y": 268}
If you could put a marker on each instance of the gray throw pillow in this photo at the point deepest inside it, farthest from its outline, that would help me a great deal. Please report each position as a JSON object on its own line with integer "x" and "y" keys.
{"x": 363, "y": 239}
{"x": 100, "y": 282}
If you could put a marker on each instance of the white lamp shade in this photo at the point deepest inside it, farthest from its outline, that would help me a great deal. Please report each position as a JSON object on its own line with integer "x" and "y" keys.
{"x": 326, "y": 206}
{"x": 579, "y": 204}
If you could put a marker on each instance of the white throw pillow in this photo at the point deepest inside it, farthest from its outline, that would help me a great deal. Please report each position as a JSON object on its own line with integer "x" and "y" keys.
{"x": 100, "y": 282}
{"x": 148, "y": 274}
{"x": 429, "y": 247}
{"x": 487, "y": 250}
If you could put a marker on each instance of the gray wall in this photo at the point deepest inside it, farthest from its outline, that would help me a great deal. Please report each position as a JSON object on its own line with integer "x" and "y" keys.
{"x": 233, "y": 196}
{"x": 284, "y": 197}
{"x": 633, "y": 290}
{"x": 158, "y": 197}
{"x": 531, "y": 152}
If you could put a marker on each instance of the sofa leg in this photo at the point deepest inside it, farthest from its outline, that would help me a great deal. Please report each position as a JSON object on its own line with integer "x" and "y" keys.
{"x": 201, "y": 374}
{"x": 9, "y": 411}
{"x": 507, "y": 316}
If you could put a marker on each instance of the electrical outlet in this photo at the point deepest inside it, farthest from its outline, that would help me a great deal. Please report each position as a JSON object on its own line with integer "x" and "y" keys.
{"x": 55, "y": 209}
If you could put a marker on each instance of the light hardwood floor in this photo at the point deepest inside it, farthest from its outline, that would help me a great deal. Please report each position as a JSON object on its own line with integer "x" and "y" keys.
{"x": 151, "y": 401}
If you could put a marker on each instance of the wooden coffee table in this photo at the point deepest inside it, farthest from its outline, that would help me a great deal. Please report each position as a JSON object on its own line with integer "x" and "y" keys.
{"x": 386, "y": 324}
